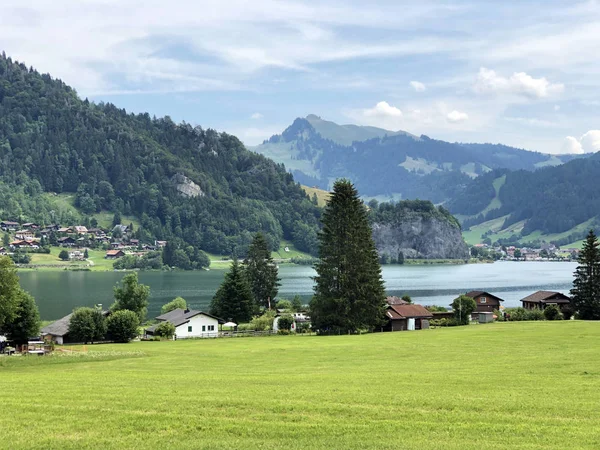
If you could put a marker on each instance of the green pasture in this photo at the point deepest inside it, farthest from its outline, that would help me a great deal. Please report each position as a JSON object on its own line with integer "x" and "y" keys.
{"x": 526, "y": 385}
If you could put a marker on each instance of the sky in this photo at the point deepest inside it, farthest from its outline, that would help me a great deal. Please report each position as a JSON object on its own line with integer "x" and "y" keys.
{"x": 524, "y": 73}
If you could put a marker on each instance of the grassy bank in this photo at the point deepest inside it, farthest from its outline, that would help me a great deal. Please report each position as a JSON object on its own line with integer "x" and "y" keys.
{"x": 505, "y": 385}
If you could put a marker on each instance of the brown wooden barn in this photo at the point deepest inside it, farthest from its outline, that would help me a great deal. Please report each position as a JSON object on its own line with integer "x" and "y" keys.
{"x": 399, "y": 316}
{"x": 486, "y": 302}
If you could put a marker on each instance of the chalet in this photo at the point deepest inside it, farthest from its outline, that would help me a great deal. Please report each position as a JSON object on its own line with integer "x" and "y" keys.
{"x": 148, "y": 247}
{"x": 24, "y": 234}
{"x": 485, "y": 301}
{"x": 65, "y": 230}
{"x": 120, "y": 229}
{"x": 116, "y": 245}
{"x": 189, "y": 324}
{"x": 58, "y": 331}
{"x": 160, "y": 244}
{"x": 79, "y": 229}
{"x": 66, "y": 241}
{"x": 134, "y": 242}
{"x": 9, "y": 226}
{"x": 31, "y": 226}
{"x": 407, "y": 317}
{"x": 25, "y": 244}
{"x": 76, "y": 255}
{"x": 541, "y": 299}
{"x": 393, "y": 300}
{"x": 114, "y": 254}
{"x": 2, "y": 251}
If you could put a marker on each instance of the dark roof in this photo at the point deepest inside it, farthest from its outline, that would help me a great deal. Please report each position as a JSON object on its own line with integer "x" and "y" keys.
{"x": 179, "y": 316}
{"x": 407, "y": 311}
{"x": 61, "y": 326}
{"x": 546, "y": 296}
{"x": 474, "y": 294}
{"x": 393, "y": 300}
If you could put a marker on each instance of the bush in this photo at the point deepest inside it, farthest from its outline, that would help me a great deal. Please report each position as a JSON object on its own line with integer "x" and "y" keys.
{"x": 264, "y": 322}
{"x": 463, "y": 307}
{"x": 499, "y": 316}
{"x": 522, "y": 314}
{"x": 87, "y": 325}
{"x": 64, "y": 255}
{"x": 285, "y": 322}
{"x": 174, "y": 304}
{"x": 535, "y": 314}
{"x": 551, "y": 312}
{"x": 165, "y": 330}
{"x": 123, "y": 325}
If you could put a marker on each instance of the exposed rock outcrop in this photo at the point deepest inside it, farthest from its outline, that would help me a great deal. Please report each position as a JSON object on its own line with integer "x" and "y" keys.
{"x": 186, "y": 187}
{"x": 420, "y": 237}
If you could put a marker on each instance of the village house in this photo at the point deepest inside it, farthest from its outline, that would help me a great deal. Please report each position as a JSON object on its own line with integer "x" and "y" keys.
{"x": 77, "y": 255}
{"x": 485, "y": 301}
{"x": 114, "y": 254}
{"x": 160, "y": 244}
{"x": 24, "y": 234}
{"x": 66, "y": 241}
{"x": 120, "y": 229}
{"x": 2, "y": 251}
{"x": 134, "y": 242}
{"x": 58, "y": 331}
{"x": 7, "y": 225}
{"x": 189, "y": 324}
{"x": 407, "y": 317}
{"x": 80, "y": 229}
{"x": 65, "y": 230}
{"x": 25, "y": 244}
{"x": 541, "y": 299}
{"x": 31, "y": 226}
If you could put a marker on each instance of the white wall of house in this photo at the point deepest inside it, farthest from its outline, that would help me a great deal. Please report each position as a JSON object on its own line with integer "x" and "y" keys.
{"x": 198, "y": 326}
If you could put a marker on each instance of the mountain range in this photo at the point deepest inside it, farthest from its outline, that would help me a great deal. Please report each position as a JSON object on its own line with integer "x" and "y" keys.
{"x": 499, "y": 193}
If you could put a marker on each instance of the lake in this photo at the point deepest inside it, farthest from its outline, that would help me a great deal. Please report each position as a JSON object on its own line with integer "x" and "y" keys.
{"x": 57, "y": 293}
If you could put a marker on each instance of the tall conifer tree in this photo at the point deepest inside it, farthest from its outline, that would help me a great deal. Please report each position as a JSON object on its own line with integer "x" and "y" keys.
{"x": 349, "y": 291}
{"x": 586, "y": 286}
{"x": 233, "y": 300}
{"x": 261, "y": 272}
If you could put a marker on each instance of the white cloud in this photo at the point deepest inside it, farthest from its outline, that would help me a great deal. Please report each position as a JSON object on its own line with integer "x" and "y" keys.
{"x": 457, "y": 117}
{"x": 588, "y": 143}
{"x": 571, "y": 145}
{"x": 256, "y": 116}
{"x": 417, "y": 86}
{"x": 532, "y": 121}
{"x": 520, "y": 83}
{"x": 383, "y": 110}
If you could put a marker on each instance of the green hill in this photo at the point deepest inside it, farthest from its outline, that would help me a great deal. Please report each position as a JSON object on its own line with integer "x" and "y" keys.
{"x": 189, "y": 185}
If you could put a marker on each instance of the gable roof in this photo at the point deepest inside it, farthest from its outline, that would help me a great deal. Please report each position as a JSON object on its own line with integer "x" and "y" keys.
{"x": 114, "y": 252}
{"x": 61, "y": 326}
{"x": 180, "y": 316}
{"x": 474, "y": 294}
{"x": 546, "y": 296}
{"x": 407, "y": 311}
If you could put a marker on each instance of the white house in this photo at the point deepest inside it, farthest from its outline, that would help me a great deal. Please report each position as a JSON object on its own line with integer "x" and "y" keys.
{"x": 190, "y": 324}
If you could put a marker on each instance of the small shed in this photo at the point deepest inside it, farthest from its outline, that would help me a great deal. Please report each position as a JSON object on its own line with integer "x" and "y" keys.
{"x": 399, "y": 317}
{"x": 486, "y": 317}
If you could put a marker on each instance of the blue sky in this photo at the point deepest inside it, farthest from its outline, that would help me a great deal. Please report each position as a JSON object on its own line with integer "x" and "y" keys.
{"x": 520, "y": 73}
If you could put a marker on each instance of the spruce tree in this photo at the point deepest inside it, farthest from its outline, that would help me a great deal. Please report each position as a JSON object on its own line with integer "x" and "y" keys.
{"x": 262, "y": 273}
{"x": 586, "y": 286}
{"x": 233, "y": 300}
{"x": 349, "y": 291}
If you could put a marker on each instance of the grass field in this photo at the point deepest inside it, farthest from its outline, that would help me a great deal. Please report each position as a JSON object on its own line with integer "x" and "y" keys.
{"x": 506, "y": 385}
{"x": 322, "y": 195}
{"x": 51, "y": 261}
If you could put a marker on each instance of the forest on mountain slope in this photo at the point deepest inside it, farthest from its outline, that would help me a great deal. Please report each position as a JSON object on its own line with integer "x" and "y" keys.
{"x": 550, "y": 200}
{"x": 53, "y": 141}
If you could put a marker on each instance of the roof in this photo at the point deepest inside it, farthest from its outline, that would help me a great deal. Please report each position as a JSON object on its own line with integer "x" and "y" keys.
{"x": 393, "y": 300}
{"x": 546, "y": 296}
{"x": 113, "y": 252}
{"x": 474, "y": 294}
{"x": 407, "y": 311}
{"x": 179, "y": 316}
{"x": 61, "y": 326}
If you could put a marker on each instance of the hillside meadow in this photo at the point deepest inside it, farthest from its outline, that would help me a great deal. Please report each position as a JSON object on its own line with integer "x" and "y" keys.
{"x": 504, "y": 385}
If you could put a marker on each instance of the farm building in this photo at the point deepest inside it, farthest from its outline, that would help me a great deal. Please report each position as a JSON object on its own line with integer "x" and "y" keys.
{"x": 486, "y": 302}
{"x": 58, "y": 331}
{"x": 405, "y": 317}
{"x": 114, "y": 254}
{"x": 189, "y": 323}
{"x": 541, "y": 299}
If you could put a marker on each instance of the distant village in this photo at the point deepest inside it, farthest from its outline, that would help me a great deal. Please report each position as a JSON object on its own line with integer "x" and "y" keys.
{"x": 546, "y": 252}
{"x": 23, "y": 238}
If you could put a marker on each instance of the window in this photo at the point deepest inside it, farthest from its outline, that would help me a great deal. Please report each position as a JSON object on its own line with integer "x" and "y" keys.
{"x": 483, "y": 300}
{"x": 203, "y": 328}
{"x": 211, "y": 328}
{"x": 189, "y": 329}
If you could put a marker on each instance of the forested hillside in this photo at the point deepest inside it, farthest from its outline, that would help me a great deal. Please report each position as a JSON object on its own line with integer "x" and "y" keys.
{"x": 391, "y": 164}
{"x": 549, "y": 201}
{"x": 52, "y": 141}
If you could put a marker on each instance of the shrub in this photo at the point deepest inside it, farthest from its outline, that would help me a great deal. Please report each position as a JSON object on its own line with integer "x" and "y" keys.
{"x": 87, "y": 325}
{"x": 499, "y": 316}
{"x": 165, "y": 330}
{"x": 285, "y": 322}
{"x": 64, "y": 255}
{"x": 551, "y": 312}
{"x": 463, "y": 307}
{"x": 123, "y": 325}
{"x": 534, "y": 314}
{"x": 173, "y": 305}
{"x": 264, "y": 322}
{"x": 521, "y": 314}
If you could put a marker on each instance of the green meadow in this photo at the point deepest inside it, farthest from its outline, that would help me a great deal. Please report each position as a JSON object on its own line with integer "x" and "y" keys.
{"x": 526, "y": 385}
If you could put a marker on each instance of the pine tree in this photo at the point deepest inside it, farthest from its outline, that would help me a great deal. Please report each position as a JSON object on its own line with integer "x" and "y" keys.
{"x": 586, "y": 286}
{"x": 234, "y": 299}
{"x": 261, "y": 272}
{"x": 349, "y": 291}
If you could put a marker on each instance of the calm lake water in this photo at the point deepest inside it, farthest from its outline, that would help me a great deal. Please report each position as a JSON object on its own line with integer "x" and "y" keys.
{"x": 57, "y": 293}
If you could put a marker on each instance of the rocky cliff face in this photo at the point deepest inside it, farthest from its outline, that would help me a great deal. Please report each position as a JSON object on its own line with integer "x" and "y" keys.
{"x": 420, "y": 237}
{"x": 186, "y": 187}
